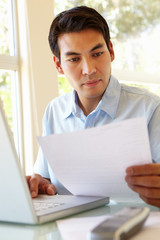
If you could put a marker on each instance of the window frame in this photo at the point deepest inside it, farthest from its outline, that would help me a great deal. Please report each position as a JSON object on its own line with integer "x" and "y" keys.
{"x": 35, "y": 73}
{"x": 11, "y": 63}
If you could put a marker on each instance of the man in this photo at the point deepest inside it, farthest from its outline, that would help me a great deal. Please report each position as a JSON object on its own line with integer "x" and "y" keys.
{"x": 80, "y": 41}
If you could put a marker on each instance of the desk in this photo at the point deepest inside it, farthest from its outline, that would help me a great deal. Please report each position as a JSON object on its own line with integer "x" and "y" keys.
{"x": 50, "y": 231}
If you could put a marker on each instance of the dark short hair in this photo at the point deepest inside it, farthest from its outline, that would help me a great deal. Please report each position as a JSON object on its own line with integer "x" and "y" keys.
{"x": 75, "y": 20}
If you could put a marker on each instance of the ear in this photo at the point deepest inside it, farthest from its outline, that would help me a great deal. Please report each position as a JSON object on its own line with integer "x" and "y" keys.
{"x": 58, "y": 65}
{"x": 111, "y": 50}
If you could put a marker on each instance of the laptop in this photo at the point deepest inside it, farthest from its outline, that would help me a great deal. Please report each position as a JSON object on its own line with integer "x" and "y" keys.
{"x": 16, "y": 204}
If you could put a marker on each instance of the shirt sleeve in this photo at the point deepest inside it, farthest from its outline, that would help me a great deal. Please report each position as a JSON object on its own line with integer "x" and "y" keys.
{"x": 41, "y": 164}
{"x": 154, "y": 135}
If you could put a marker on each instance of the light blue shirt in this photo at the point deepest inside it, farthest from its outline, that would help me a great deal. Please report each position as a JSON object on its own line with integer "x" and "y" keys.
{"x": 119, "y": 102}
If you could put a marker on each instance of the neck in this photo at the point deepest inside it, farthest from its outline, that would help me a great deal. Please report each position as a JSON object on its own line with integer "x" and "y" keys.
{"x": 89, "y": 105}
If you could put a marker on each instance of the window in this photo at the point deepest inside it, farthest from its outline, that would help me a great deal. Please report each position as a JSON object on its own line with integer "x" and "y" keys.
{"x": 9, "y": 66}
{"x": 135, "y": 33}
{"x": 28, "y": 80}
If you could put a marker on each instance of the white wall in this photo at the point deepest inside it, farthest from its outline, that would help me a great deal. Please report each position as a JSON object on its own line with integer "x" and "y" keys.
{"x": 38, "y": 75}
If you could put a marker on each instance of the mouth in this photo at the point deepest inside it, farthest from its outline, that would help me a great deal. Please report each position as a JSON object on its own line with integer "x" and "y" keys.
{"x": 92, "y": 83}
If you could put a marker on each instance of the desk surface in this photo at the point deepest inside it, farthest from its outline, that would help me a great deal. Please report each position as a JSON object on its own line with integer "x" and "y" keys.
{"x": 50, "y": 231}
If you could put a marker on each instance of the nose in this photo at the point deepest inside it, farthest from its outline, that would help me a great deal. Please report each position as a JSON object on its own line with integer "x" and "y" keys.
{"x": 88, "y": 67}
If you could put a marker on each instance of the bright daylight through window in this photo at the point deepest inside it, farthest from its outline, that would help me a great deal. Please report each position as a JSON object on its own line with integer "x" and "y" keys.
{"x": 135, "y": 33}
{"x": 9, "y": 66}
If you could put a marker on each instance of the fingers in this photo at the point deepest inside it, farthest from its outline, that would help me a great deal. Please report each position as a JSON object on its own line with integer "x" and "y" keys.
{"x": 51, "y": 190}
{"x": 149, "y": 195}
{"x": 145, "y": 181}
{"x": 33, "y": 185}
{"x": 45, "y": 187}
{"x": 146, "y": 169}
{"x": 153, "y": 193}
{"x": 39, "y": 185}
{"x": 154, "y": 202}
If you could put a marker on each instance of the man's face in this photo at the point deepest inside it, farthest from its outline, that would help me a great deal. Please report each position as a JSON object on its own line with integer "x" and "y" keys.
{"x": 86, "y": 62}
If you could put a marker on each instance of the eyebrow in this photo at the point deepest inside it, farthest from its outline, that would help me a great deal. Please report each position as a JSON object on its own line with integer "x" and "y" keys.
{"x": 99, "y": 45}
{"x": 71, "y": 53}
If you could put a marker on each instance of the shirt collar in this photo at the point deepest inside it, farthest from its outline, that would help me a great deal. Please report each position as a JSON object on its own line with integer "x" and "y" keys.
{"x": 108, "y": 104}
{"x": 72, "y": 104}
{"x": 111, "y": 97}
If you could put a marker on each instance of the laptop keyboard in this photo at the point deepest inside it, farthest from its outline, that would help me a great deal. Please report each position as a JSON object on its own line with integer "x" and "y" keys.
{"x": 38, "y": 206}
{"x": 47, "y": 202}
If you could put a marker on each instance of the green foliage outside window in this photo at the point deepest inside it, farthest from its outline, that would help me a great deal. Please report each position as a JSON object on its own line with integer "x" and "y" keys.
{"x": 5, "y": 94}
{"x": 64, "y": 86}
{"x": 4, "y": 31}
{"x": 127, "y": 20}
{"x": 126, "y": 17}
{"x": 5, "y": 76}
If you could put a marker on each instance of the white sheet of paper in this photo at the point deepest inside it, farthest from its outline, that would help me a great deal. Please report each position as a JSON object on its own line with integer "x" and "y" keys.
{"x": 93, "y": 161}
{"x": 78, "y": 228}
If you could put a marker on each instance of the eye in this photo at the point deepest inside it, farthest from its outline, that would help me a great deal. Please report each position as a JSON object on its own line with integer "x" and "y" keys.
{"x": 76, "y": 59}
{"x": 97, "y": 54}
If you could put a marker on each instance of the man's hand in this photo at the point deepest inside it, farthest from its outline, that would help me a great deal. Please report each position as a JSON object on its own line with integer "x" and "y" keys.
{"x": 38, "y": 184}
{"x": 145, "y": 180}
